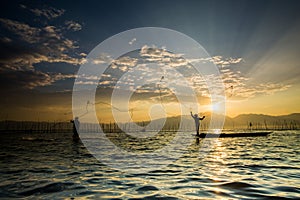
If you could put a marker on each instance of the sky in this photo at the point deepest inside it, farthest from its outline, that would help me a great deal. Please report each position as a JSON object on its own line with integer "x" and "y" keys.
{"x": 254, "y": 44}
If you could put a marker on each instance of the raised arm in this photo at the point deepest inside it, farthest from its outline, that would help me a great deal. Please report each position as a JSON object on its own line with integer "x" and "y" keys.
{"x": 202, "y": 118}
{"x": 192, "y": 114}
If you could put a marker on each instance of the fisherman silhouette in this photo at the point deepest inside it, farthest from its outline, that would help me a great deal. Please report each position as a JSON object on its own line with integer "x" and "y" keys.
{"x": 197, "y": 121}
{"x": 76, "y": 125}
{"x": 250, "y": 125}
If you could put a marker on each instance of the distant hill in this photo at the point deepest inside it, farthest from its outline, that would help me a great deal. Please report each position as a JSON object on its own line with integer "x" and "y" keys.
{"x": 269, "y": 121}
{"x": 259, "y": 121}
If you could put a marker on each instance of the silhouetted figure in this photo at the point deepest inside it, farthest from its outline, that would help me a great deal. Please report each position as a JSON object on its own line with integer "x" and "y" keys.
{"x": 250, "y": 125}
{"x": 197, "y": 121}
{"x": 76, "y": 125}
{"x": 197, "y": 140}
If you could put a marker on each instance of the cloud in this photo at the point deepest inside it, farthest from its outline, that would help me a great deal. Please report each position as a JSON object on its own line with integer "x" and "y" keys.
{"x": 151, "y": 64}
{"x": 132, "y": 41}
{"x": 74, "y": 26}
{"x": 5, "y": 40}
{"x": 225, "y": 62}
{"x": 24, "y": 31}
{"x": 47, "y": 12}
{"x": 269, "y": 88}
{"x": 15, "y": 80}
{"x": 50, "y": 45}
{"x": 102, "y": 59}
{"x": 106, "y": 83}
{"x": 238, "y": 86}
{"x": 90, "y": 79}
{"x": 28, "y": 46}
{"x": 83, "y": 54}
{"x": 87, "y": 83}
{"x": 161, "y": 55}
{"x": 218, "y": 60}
{"x": 126, "y": 61}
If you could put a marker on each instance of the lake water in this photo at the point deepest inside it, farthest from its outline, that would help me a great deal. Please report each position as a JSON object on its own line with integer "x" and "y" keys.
{"x": 44, "y": 166}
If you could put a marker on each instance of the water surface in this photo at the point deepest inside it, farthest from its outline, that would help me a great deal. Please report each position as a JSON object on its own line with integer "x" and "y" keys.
{"x": 51, "y": 166}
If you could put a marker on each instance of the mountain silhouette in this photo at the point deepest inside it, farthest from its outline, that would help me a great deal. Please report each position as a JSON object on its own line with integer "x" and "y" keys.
{"x": 259, "y": 121}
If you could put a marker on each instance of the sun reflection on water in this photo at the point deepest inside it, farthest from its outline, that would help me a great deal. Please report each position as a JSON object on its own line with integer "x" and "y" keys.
{"x": 218, "y": 158}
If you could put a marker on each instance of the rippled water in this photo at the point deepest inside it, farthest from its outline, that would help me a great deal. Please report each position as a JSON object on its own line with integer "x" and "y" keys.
{"x": 52, "y": 166}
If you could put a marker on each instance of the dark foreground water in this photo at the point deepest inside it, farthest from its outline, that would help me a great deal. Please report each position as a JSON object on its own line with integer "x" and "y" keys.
{"x": 44, "y": 166}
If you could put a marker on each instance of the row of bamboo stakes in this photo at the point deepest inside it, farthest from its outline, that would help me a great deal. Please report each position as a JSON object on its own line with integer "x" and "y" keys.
{"x": 64, "y": 127}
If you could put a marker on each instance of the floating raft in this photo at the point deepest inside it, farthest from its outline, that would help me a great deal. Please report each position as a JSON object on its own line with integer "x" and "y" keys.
{"x": 225, "y": 135}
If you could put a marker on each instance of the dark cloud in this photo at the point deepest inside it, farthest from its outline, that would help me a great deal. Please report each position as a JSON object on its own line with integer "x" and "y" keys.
{"x": 72, "y": 25}
{"x": 31, "y": 46}
{"x": 12, "y": 80}
{"x": 47, "y": 12}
